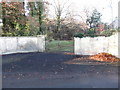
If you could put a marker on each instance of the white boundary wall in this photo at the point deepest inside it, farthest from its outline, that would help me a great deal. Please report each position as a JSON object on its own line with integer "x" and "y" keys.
{"x": 22, "y": 44}
{"x": 91, "y": 46}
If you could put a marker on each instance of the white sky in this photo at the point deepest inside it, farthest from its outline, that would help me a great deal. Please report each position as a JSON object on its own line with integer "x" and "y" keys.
{"x": 103, "y": 6}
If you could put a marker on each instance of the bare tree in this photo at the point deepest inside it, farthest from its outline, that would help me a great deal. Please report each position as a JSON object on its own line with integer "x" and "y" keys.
{"x": 60, "y": 8}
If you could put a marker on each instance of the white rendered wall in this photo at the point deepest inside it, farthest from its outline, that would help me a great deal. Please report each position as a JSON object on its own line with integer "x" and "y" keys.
{"x": 91, "y": 46}
{"x": 22, "y": 44}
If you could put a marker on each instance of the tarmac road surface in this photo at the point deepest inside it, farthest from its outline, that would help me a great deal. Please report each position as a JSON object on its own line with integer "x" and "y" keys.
{"x": 48, "y": 70}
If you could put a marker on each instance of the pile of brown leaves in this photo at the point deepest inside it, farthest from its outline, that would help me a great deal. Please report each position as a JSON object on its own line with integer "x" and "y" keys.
{"x": 69, "y": 53}
{"x": 104, "y": 57}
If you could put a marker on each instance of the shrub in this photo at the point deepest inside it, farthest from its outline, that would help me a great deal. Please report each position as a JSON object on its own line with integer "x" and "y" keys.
{"x": 108, "y": 32}
{"x": 91, "y": 33}
{"x": 80, "y": 35}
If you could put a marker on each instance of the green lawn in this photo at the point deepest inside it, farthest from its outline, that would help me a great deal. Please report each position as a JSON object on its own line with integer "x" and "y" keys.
{"x": 59, "y": 46}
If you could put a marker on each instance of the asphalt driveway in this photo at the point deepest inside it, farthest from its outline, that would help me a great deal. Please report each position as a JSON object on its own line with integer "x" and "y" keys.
{"x": 48, "y": 70}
